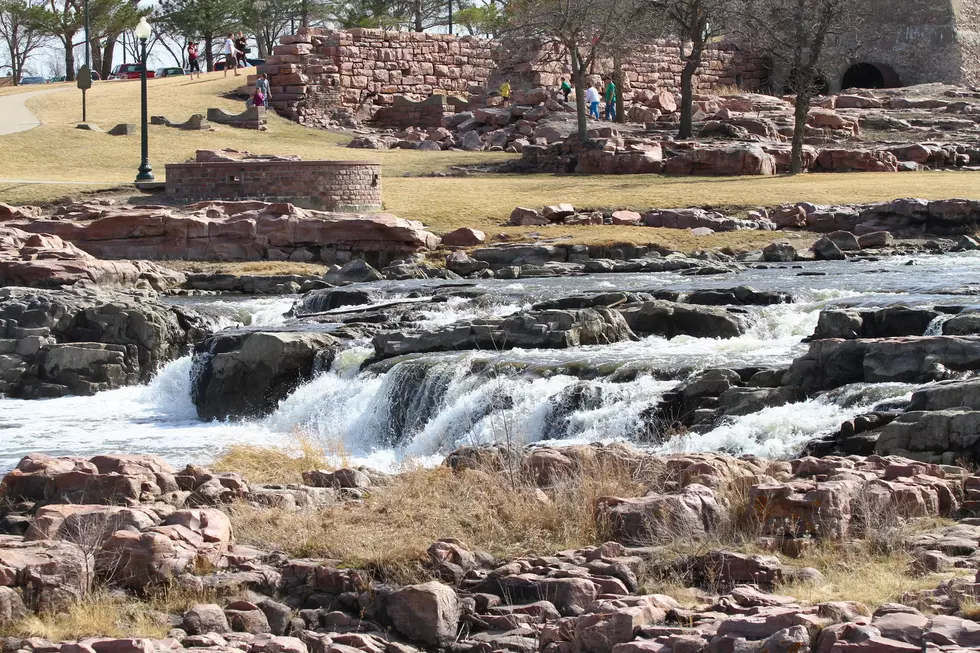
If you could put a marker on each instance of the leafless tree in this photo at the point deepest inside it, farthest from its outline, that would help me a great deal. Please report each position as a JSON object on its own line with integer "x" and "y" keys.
{"x": 20, "y": 34}
{"x": 695, "y": 23}
{"x": 806, "y": 35}
{"x": 581, "y": 31}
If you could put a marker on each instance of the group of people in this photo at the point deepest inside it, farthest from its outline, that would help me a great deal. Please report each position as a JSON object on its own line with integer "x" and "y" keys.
{"x": 234, "y": 50}
{"x": 592, "y": 97}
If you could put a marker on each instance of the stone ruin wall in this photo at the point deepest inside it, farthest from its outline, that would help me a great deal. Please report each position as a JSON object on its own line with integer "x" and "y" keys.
{"x": 316, "y": 72}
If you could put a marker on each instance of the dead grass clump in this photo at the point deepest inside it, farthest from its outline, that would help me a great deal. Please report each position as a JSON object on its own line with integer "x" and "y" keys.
{"x": 257, "y": 268}
{"x": 286, "y": 464}
{"x": 104, "y": 613}
{"x": 100, "y": 615}
{"x": 391, "y": 529}
{"x": 852, "y": 571}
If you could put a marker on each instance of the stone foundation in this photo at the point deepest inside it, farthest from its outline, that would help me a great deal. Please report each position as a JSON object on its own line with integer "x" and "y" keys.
{"x": 345, "y": 186}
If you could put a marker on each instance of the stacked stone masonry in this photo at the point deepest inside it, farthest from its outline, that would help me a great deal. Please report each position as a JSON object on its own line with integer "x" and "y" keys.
{"x": 317, "y": 72}
{"x": 347, "y": 186}
{"x": 428, "y": 113}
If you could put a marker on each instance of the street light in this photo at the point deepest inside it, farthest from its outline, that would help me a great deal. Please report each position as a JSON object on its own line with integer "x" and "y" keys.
{"x": 142, "y": 32}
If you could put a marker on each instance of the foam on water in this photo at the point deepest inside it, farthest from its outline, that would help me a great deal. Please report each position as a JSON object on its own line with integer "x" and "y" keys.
{"x": 782, "y": 431}
{"x": 423, "y": 406}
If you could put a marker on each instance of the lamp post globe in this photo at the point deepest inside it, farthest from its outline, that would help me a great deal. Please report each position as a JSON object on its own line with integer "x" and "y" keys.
{"x": 142, "y": 32}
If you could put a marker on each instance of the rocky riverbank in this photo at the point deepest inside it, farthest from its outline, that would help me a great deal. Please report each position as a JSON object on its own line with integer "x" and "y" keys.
{"x": 695, "y": 553}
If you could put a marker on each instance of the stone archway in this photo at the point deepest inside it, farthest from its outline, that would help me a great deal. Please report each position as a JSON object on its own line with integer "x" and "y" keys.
{"x": 870, "y": 75}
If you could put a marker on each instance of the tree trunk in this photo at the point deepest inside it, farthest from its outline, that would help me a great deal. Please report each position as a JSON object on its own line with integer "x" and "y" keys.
{"x": 260, "y": 43}
{"x": 800, "y": 114}
{"x": 209, "y": 51}
{"x": 69, "y": 58}
{"x": 417, "y": 10}
{"x": 305, "y": 13}
{"x": 618, "y": 80}
{"x": 12, "y": 48}
{"x": 108, "y": 52}
{"x": 95, "y": 48}
{"x": 578, "y": 80}
{"x": 687, "y": 94}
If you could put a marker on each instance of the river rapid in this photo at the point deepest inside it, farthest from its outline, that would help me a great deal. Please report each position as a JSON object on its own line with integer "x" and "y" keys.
{"x": 420, "y": 407}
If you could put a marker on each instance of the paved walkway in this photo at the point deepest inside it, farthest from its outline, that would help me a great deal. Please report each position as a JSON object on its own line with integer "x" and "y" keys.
{"x": 14, "y": 114}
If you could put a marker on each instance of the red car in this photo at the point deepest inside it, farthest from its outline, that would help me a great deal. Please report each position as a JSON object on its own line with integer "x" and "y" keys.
{"x": 129, "y": 71}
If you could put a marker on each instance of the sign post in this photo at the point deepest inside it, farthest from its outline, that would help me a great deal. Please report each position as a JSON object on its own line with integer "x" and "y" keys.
{"x": 84, "y": 81}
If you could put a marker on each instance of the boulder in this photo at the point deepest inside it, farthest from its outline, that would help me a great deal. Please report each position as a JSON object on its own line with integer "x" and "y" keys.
{"x": 842, "y": 159}
{"x": 525, "y": 217}
{"x": 630, "y": 218}
{"x": 328, "y": 299}
{"x": 247, "y": 617}
{"x": 550, "y": 329}
{"x": 341, "y": 478}
{"x": 50, "y": 575}
{"x": 827, "y": 250}
{"x": 733, "y": 160}
{"x": 464, "y": 265}
{"x": 356, "y": 271}
{"x": 780, "y": 251}
{"x": 205, "y": 618}
{"x": 692, "y": 512}
{"x": 427, "y": 613}
{"x": 669, "y": 319}
{"x": 875, "y": 240}
{"x": 247, "y": 373}
{"x": 845, "y": 241}
{"x": 464, "y": 237}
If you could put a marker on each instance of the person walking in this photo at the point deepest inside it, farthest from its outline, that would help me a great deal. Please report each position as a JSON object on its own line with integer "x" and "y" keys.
{"x": 610, "y": 99}
{"x": 241, "y": 49}
{"x": 231, "y": 59}
{"x": 592, "y": 99}
{"x": 193, "y": 63}
{"x": 262, "y": 84}
{"x": 505, "y": 92}
{"x": 566, "y": 88}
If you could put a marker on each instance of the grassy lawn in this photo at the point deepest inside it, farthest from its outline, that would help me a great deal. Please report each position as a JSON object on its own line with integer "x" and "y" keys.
{"x": 57, "y": 151}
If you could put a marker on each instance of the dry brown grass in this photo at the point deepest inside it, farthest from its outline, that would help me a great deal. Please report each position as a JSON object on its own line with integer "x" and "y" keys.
{"x": 857, "y": 573}
{"x": 481, "y": 201}
{"x": 389, "y": 531}
{"x": 260, "y": 268}
{"x": 106, "y": 614}
{"x": 285, "y": 464}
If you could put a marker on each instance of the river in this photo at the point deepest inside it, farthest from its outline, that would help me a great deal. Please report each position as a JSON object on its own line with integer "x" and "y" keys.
{"x": 422, "y": 406}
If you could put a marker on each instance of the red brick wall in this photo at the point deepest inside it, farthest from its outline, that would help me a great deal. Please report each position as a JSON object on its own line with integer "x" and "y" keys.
{"x": 347, "y": 186}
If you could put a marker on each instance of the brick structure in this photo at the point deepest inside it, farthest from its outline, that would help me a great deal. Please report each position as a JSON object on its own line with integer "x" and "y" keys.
{"x": 426, "y": 113}
{"x": 345, "y": 186}
{"x": 905, "y": 42}
{"x": 316, "y": 72}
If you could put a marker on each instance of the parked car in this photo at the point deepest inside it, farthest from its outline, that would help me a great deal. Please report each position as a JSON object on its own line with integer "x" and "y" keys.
{"x": 169, "y": 72}
{"x": 24, "y": 81}
{"x": 55, "y": 80}
{"x": 220, "y": 65}
{"x": 129, "y": 71}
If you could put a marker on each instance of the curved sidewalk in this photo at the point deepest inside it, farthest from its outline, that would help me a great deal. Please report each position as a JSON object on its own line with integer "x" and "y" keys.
{"x": 14, "y": 114}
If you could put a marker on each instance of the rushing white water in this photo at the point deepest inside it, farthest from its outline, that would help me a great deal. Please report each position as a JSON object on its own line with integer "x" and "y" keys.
{"x": 782, "y": 431}
{"x": 423, "y": 406}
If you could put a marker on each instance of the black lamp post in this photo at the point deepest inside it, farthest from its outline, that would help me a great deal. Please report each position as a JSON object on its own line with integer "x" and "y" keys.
{"x": 142, "y": 32}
